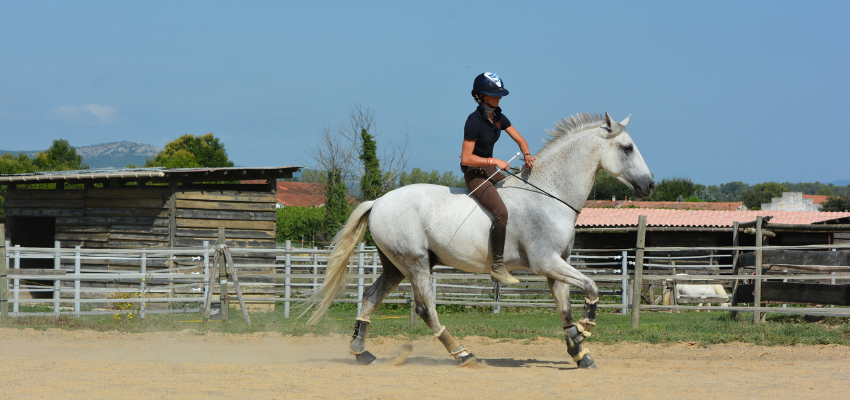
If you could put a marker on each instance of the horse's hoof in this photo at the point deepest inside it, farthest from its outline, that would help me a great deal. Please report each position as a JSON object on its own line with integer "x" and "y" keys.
{"x": 365, "y": 358}
{"x": 586, "y": 362}
{"x": 468, "y": 360}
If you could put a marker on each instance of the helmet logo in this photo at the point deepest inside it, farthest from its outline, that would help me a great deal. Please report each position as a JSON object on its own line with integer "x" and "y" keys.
{"x": 493, "y": 78}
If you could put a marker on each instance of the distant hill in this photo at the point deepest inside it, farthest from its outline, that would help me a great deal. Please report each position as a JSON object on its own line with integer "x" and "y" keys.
{"x": 841, "y": 183}
{"x": 109, "y": 155}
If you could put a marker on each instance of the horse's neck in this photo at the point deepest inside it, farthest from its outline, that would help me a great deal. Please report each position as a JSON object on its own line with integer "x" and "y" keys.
{"x": 568, "y": 168}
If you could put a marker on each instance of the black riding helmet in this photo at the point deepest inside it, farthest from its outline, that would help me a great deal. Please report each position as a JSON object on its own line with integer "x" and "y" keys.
{"x": 488, "y": 84}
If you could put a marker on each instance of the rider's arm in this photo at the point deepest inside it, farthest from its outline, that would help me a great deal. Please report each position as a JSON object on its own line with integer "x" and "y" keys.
{"x": 471, "y": 160}
{"x": 523, "y": 145}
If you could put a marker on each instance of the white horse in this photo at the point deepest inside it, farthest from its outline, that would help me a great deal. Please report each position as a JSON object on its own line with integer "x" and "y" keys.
{"x": 418, "y": 226}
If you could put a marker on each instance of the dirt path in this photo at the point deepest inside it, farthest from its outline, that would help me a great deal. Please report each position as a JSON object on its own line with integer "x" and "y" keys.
{"x": 184, "y": 365}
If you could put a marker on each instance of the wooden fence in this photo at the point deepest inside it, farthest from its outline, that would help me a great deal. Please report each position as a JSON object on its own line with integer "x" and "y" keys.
{"x": 183, "y": 284}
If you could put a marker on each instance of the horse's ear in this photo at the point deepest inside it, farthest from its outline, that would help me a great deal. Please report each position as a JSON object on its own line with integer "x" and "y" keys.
{"x": 614, "y": 127}
{"x": 625, "y": 121}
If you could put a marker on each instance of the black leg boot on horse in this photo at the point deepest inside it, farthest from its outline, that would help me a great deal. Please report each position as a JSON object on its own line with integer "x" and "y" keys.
{"x": 499, "y": 273}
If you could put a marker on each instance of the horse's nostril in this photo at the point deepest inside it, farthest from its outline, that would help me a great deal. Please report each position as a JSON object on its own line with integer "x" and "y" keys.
{"x": 652, "y": 185}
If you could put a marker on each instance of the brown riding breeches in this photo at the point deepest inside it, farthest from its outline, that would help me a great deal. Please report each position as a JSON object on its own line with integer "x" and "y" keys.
{"x": 486, "y": 194}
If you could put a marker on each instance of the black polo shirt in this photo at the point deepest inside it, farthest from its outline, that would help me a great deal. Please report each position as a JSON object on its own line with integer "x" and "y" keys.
{"x": 485, "y": 134}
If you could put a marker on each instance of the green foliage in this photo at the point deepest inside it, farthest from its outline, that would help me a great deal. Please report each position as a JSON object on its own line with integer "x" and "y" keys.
{"x": 732, "y": 191}
{"x": 336, "y": 204}
{"x": 671, "y": 189}
{"x": 762, "y": 193}
{"x": 606, "y": 186}
{"x": 59, "y": 157}
{"x": 836, "y": 203}
{"x": 313, "y": 176}
{"x": 189, "y": 151}
{"x": 296, "y": 223}
{"x": 371, "y": 186}
{"x": 693, "y": 199}
{"x": 706, "y": 195}
{"x": 434, "y": 177}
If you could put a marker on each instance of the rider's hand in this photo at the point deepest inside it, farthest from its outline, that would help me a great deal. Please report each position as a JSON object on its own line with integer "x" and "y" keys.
{"x": 503, "y": 165}
{"x": 529, "y": 161}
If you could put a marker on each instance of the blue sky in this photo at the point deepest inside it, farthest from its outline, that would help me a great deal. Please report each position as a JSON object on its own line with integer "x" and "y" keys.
{"x": 718, "y": 91}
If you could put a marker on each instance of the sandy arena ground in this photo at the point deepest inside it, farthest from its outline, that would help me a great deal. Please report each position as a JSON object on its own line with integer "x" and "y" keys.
{"x": 57, "y": 364}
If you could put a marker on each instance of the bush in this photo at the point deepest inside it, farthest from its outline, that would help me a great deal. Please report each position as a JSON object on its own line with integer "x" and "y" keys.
{"x": 295, "y": 223}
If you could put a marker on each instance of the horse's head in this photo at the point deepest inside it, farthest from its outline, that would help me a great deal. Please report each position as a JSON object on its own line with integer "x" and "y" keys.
{"x": 621, "y": 158}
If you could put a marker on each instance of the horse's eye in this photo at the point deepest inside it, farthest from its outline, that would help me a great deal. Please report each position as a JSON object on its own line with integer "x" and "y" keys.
{"x": 628, "y": 149}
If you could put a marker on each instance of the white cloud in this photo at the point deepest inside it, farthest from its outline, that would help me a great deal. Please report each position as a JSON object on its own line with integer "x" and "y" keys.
{"x": 86, "y": 113}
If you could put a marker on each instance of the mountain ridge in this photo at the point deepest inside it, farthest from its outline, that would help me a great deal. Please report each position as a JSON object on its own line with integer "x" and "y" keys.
{"x": 108, "y": 155}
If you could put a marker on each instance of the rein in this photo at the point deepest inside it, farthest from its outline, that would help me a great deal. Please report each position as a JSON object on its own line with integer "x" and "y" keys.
{"x": 543, "y": 191}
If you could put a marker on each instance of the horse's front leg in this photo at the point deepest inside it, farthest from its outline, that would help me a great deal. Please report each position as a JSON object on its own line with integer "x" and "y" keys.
{"x": 574, "y": 333}
{"x": 560, "y": 275}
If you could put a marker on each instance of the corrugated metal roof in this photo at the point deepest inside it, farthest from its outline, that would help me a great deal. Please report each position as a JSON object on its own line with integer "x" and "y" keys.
{"x": 628, "y": 217}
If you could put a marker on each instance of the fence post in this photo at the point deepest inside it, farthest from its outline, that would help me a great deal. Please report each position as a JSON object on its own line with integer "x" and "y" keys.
{"x": 4, "y": 280}
{"x": 497, "y": 297}
{"x": 637, "y": 287}
{"x": 222, "y": 277}
{"x": 16, "y": 290}
{"x": 735, "y": 270}
{"x": 374, "y": 265}
{"x": 143, "y": 268}
{"x": 674, "y": 292}
{"x": 625, "y": 272}
{"x": 315, "y": 268}
{"x": 57, "y": 284}
{"x": 287, "y": 269}
{"x": 757, "y": 281}
{"x": 206, "y": 244}
{"x": 77, "y": 280}
{"x": 360, "y": 271}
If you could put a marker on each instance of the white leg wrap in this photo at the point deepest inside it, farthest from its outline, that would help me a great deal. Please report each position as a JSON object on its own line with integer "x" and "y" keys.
{"x": 580, "y": 355}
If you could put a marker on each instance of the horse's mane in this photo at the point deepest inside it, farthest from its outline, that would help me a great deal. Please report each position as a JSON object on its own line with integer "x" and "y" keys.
{"x": 571, "y": 125}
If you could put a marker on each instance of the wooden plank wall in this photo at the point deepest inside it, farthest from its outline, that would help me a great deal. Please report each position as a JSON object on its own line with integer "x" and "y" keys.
{"x": 130, "y": 217}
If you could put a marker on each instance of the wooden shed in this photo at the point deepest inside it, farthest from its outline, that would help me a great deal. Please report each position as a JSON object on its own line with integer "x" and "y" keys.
{"x": 142, "y": 208}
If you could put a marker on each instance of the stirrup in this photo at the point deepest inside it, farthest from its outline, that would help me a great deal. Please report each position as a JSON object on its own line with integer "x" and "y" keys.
{"x": 500, "y": 274}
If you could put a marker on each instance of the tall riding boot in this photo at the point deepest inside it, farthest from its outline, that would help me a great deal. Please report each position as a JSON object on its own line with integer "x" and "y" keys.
{"x": 499, "y": 273}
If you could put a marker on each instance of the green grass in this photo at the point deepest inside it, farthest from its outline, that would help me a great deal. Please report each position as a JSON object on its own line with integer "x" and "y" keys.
{"x": 702, "y": 328}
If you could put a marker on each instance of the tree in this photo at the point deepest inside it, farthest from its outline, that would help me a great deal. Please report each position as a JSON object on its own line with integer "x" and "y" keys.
{"x": 371, "y": 185}
{"x": 607, "y": 187}
{"x": 732, "y": 191}
{"x": 313, "y": 176}
{"x": 762, "y": 193}
{"x": 189, "y": 151}
{"x": 340, "y": 148}
{"x": 670, "y": 189}
{"x": 434, "y": 177}
{"x": 297, "y": 223}
{"x": 706, "y": 195}
{"x": 336, "y": 206}
{"x": 836, "y": 203}
{"x": 59, "y": 157}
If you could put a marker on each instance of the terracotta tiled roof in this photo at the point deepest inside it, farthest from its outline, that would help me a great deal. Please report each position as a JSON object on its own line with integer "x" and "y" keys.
{"x": 303, "y": 194}
{"x": 816, "y": 198}
{"x": 602, "y": 217}
{"x": 675, "y": 205}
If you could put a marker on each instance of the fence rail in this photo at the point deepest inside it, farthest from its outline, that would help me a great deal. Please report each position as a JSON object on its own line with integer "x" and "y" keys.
{"x": 181, "y": 280}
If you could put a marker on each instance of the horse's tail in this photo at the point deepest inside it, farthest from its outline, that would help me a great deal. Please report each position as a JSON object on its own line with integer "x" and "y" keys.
{"x": 343, "y": 247}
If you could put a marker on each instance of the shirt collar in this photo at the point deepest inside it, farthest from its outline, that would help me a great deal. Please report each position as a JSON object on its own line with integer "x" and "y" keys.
{"x": 496, "y": 114}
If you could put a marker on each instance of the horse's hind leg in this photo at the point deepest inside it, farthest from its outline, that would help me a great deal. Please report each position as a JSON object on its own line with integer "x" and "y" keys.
{"x": 574, "y": 333}
{"x": 372, "y": 298}
{"x": 420, "y": 284}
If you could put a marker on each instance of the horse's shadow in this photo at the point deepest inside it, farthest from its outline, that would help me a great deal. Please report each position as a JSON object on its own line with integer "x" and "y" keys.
{"x": 489, "y": 362}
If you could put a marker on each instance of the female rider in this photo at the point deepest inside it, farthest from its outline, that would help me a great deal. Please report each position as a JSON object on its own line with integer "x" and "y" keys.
{"x": 482, "y": 130}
